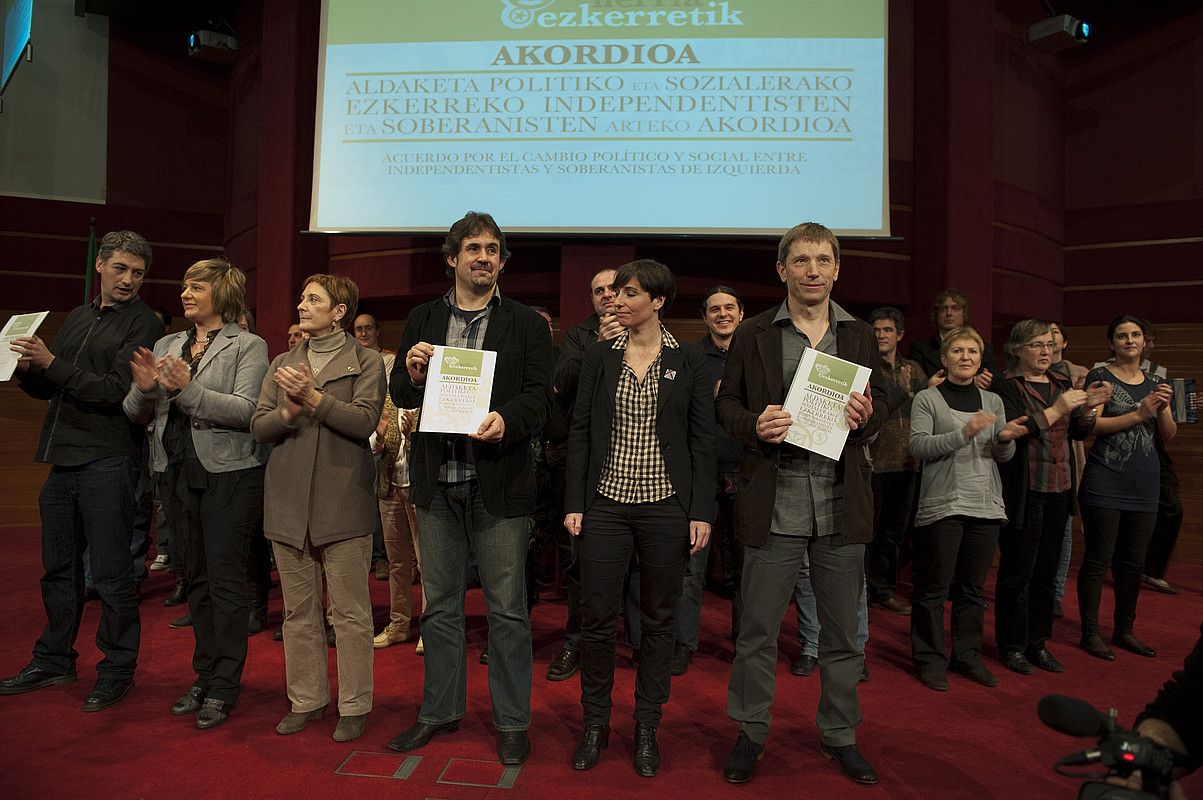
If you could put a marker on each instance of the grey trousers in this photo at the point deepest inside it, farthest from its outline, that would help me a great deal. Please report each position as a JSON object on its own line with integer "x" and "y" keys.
{"x": 837, "y": 573}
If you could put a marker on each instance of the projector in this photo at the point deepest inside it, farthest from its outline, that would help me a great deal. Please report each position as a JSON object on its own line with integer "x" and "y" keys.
{"x": 213, "y": 46}
{"x": 1057, "y": 33}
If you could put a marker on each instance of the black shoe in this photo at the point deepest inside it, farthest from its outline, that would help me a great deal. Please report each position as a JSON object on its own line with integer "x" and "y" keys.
{"x": 108, "y": 692}
{"x": 936, "y": 681}
{"x": 564, "y": 666}
{"x": 178, "y": 596}
{"x": 278, "y": 634}
{"x": 741, "y": 764}
{"x": 190, "y": 702}
{"x": 588, "y": 751}
{"x": 682, "y": 655}
{"x": 90, "y": 593}
{"x": 646, "y": 758}
{"x": 254, "y": 623}
{"x": 32, "y": 678}
{"x": 1017, "y": 662}
{"x": 181, "y": 622}
{"x": 1094, "y": 645}
{"x": 213, "y": 712}
{"x": 1126, "y": 641}
{"x": 976, "y": 673}
{"x": 512, "y": 747}
{"x": 484, "y": 655}
{"x": 851, "y": 762}
{"x": 419, "y": 735}
{"x": 803, "y": 665}
{"x": 1044, "y": 659}
{"x": 329, "y": 635}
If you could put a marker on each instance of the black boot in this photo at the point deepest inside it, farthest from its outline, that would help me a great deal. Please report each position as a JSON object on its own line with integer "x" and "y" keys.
{"x": 179, "y": 595}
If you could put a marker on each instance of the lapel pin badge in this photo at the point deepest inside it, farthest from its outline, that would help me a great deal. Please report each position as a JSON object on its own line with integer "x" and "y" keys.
{"x": 670, "y": 374}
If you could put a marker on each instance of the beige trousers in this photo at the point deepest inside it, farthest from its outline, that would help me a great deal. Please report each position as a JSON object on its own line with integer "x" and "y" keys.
{"x": 306, "y": 661}
{"x": 400, "y": 521}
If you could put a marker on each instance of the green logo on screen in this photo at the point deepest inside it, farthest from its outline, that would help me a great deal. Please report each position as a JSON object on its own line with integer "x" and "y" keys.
{"x": 519, "y": 14}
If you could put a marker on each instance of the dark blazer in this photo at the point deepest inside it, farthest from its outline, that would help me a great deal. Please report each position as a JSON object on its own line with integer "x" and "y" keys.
{"x": 753, "y": 380}
{"x": 521, "y": 395}
{"x": 684, "y": 425}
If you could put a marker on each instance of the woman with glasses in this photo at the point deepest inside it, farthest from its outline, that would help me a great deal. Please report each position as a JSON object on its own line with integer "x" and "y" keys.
{"x": 1039, "y": 486}
{"x": 1120, "y": 486}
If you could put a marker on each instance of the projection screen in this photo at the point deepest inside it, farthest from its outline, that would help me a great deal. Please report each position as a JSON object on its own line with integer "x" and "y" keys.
{"x": 715, "y": 117}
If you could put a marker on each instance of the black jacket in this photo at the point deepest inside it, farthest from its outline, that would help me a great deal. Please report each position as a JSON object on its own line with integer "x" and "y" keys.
{"x": 87, "y": 381}
{"x": 684, "y": 425}
{"x": 521, "y": 395}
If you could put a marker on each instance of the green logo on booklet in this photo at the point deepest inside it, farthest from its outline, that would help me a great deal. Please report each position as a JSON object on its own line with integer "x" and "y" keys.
{"x": 467, "y": 363}
{"x": 832, "y": 373}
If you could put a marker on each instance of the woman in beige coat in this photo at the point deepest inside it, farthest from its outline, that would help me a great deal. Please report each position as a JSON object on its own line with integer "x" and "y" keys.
{"x": 318, "y": 405}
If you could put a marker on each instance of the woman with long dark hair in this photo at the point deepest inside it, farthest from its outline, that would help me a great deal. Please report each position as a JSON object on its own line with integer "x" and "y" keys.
{"x": 641, "y": 469}
{"x": 1120, "y": 486}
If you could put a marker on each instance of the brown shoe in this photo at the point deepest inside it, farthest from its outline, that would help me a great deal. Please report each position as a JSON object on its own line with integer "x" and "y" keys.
{"x": 350, "y": 728}
{"x": 393, "y": 633}
{"x": 894, "y": 606}
{"x": 297, "y": 721}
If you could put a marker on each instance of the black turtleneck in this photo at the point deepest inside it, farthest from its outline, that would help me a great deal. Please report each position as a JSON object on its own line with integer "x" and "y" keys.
{"x": 959, "y": 397}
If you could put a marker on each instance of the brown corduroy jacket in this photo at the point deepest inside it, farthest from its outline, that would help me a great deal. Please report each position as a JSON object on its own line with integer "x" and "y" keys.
{"x": 321, "y": 481}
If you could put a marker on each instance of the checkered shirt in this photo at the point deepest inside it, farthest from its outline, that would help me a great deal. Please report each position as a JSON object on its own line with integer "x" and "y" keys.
{"x": 459, "y": 461}
{"x": 635, "y": 471}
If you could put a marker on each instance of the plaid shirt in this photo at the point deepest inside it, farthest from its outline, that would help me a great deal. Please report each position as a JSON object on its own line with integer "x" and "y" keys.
{"x": 1049, "y": 457}
{"x": 635, "y": 471}
{"x": 463, "y": 330}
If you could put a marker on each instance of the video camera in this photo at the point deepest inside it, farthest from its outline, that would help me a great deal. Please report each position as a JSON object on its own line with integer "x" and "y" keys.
{"x": 1121, "y": 752}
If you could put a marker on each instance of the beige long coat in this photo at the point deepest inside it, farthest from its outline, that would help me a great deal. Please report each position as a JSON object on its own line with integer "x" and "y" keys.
{"x": 321, "y": 482}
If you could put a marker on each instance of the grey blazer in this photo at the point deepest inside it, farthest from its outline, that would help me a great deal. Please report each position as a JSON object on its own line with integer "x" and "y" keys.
{"x": 219, "y": 400}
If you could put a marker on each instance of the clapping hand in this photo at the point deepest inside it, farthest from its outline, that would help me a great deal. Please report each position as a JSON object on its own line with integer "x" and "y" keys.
{"x": 174, "y": 374}
{"x": 144, "y": 370}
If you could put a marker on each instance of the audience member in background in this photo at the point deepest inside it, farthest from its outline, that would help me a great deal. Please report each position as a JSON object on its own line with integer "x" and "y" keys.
{"x": 1077, "y": 378}
{"x": 295, "y": 336}
{"x": 258, "y": 561}
{"x": 641, "y": 470}
{"x": 399, "y": 518}
{"x": 949, "y": 311}
{"x": 602, "y": 325}
{"x": 722, "y": 311}
{"x": 87, "y": 500}
{"x": 894, "y": 468}
{"x": 794, "y": 505}
{"x": 475, "y": 493}
{"x": 367, "y": 333}
{"x": 1169, "y": 503}
{"x": 164, "y": 552}
{"x": 960, "y": 434}
{"x": 318, "y": 405}
{"x": 809, "y": 629}
{"x": 1120, "y": 486}
{"x": 1040, "y": 484}
{"x": 198, "y": 390}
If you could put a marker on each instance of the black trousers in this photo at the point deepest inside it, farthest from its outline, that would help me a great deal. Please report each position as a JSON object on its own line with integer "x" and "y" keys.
{"x": 1169, "y": 523}
{"x": 1027, "y": 574}
{"x": 1119, "y": 538}
{"x": 952, "y": 557}
{"x": 892, "y": 502}
{"x": 214, "y": 524}
{"x": 659, "y": 532}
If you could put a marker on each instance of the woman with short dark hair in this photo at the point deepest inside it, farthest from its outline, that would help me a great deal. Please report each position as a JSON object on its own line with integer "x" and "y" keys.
{"x": 1120, "y": 486}
{"x": 641, "y": 469}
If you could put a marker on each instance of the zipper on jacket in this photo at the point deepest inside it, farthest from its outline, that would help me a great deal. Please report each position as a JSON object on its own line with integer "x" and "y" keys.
{"x": 58, "y": 399}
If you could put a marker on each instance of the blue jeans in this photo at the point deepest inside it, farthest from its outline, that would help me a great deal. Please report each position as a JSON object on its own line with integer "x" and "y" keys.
{"x": 808, "y": 615}
{"x": 89, "y": 507}
{"x": 453, "y": 528}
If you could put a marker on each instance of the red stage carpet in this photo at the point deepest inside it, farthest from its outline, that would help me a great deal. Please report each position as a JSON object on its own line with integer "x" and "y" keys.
{"x": 971, "y": 742}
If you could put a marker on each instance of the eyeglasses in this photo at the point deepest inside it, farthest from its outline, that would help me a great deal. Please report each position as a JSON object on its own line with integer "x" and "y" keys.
{"x": 1041, "y": 347}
